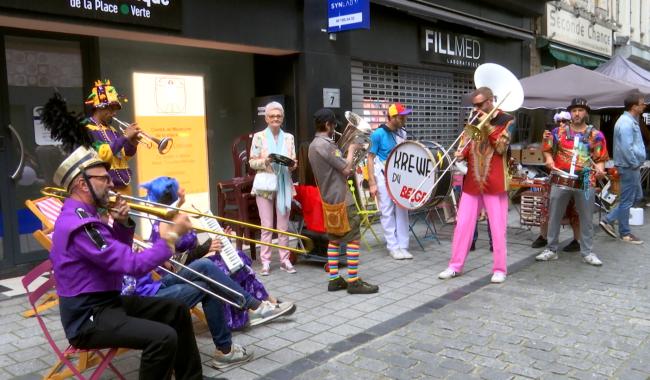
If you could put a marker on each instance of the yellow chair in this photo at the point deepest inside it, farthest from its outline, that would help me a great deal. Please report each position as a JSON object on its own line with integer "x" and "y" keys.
{"x": 368, "y": 217}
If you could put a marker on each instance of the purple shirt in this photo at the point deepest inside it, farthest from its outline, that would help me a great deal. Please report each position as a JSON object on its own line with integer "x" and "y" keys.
{"x": 81, "y": 266}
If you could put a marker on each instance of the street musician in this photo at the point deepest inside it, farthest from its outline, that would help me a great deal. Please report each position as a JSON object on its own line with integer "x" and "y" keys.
{"x": 89, "y": 258}
{"x": 484, "y": 186}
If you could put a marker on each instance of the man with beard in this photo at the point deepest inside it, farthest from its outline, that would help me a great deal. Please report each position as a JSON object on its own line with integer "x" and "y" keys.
{"x": 89, "y": 258}
{"x": 485, "y": 185}
{"x": 394, "y": 220}
{"x": 342, "y": 223}
{"x": 578, "y": 149}
{"x": 112, "y": 145}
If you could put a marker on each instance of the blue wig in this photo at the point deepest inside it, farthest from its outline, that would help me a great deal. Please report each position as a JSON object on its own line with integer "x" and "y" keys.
{"x": 162, "y": 190}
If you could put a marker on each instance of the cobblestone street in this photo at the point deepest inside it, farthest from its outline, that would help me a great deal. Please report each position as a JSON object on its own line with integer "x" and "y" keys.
{"x": 558, "y": 319}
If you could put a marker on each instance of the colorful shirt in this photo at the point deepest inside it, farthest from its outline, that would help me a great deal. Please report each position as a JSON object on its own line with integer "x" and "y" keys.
{"x": 487, "y": 161}
{"x": 560, "y": 143}
{"x": 113, "y": 147}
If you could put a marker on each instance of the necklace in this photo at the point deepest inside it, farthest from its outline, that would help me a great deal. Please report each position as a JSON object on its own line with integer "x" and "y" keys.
{"x": 103, "y": 129}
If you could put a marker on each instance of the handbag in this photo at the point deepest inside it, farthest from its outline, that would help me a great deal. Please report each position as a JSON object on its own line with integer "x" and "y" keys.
{"x": 265, "y": 181}
{"x": 335, "y": 217}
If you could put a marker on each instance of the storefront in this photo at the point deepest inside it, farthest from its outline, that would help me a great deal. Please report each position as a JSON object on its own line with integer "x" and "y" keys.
{"x": 572, "y": 37}
{"x": 197, "y": 70}
{"x": 421, "y": 54}
{"x": 187, "y": 69}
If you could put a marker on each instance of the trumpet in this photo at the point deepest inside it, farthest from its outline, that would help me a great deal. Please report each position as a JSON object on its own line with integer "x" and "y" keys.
{"x": 162, "y": 213}
{"x": 164, "y": 145}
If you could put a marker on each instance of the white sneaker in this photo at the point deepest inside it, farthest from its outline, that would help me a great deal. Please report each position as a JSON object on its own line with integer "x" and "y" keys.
{"x": 592, "y": 259}
{"x": 267, "y": 312}
{"x": 447, "y": 274}
{"x": 498, "y": 277}
{"x": 395, "y": 254}
{"x": 406, "y": 254}
{"x": 547, "y": 255}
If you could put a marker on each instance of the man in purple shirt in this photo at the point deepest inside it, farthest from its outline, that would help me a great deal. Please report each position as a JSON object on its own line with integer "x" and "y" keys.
{"x": 113, "y": 146}
{"x": 89, "y": 258}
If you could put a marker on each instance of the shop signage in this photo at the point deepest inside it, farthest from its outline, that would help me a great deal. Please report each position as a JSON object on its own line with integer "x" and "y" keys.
{"x": 563, "y": 26}
{"x": 449, "y": 48}
{"x": 347, "y": 15}
{"x": 153, "y": 13}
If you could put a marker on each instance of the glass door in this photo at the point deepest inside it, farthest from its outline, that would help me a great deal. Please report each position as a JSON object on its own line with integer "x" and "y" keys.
{"x": 34, "y": 68}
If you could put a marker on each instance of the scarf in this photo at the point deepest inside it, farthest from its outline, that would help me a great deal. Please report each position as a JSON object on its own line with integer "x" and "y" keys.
{"x": 283, "y": 196}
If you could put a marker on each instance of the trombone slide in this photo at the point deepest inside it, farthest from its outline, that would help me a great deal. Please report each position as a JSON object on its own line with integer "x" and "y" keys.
{"x": 242, "y": 299}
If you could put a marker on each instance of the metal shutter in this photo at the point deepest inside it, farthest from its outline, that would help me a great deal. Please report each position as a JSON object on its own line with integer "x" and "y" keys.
{"x": 434, "y": 96}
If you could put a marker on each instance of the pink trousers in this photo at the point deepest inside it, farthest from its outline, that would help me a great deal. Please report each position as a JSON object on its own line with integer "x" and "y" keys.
{"x": 496, "y": 206}
{"x": 266, "y": 207}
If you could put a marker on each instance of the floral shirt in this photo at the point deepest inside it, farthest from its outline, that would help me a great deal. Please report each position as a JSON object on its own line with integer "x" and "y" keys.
{"x": 560, "y": 143}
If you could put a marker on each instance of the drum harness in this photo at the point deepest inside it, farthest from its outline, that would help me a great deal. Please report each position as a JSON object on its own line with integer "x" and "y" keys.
{"x": 586, "y": 170}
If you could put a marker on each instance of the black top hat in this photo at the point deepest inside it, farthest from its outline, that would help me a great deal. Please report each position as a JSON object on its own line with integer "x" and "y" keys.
{"x": 578, "y": 102}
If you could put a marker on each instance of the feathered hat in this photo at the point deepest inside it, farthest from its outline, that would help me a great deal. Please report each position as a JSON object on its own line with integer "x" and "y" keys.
{"x": 104, "y": 95}
{"x": 65, "y": 126}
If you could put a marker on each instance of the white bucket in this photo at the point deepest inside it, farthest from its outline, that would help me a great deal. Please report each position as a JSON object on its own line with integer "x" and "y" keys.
{"x": 636, "y": 216}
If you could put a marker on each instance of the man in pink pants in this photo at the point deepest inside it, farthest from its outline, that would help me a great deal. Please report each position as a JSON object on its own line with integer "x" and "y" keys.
{"x": 484, "y": 186}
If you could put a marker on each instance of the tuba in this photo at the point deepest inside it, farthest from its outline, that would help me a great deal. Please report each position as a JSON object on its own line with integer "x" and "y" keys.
{"x": 356, "y": 132}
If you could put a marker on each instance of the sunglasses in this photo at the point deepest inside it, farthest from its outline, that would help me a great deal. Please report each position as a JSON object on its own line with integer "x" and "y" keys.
{"x": 480, "y": 104}
{"x": 104, "y": 178}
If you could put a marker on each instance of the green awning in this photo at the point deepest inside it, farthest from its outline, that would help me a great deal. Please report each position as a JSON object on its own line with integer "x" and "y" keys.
{"x": 570, "y": 55}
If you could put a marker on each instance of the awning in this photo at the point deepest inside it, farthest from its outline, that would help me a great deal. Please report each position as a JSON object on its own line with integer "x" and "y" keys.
{"x": 577, "y": 57}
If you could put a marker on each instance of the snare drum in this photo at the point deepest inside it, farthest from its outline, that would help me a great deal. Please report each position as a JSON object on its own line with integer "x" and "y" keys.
{"x": 565, "y": 180}
{"x": 412, "y": 162}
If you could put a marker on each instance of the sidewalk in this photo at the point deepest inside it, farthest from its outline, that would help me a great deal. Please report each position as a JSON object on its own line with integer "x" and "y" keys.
{"x": 329, "y": 329}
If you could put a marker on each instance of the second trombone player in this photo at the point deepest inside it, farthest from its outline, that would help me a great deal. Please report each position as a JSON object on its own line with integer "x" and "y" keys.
{"x": 485, "y": 185}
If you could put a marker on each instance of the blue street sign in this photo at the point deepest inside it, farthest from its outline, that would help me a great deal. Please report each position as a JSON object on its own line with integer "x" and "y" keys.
{"x": 347, "y": 15}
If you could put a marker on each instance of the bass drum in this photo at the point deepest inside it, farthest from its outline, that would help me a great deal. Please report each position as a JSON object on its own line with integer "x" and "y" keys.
{"x": 408, "y": 165}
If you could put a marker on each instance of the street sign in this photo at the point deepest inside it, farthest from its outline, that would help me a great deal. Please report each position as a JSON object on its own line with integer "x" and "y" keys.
{"x": 347, "y": 15}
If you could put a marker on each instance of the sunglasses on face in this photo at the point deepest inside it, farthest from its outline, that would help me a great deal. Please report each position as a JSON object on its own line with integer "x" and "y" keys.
{"x": 480, "y": 104}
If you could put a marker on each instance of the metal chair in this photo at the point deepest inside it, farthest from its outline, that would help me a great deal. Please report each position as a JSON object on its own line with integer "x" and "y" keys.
{"x": 366, "y": 216}
{"x": 85, "y": 359}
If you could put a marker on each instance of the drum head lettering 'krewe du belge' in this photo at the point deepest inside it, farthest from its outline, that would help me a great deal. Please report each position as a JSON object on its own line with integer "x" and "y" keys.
{"x": 412, "y": 168}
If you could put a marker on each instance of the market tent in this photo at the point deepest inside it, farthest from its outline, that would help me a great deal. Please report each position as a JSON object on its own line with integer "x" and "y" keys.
{"x": 623, "y": 69}
{"x": 555, "y": 89}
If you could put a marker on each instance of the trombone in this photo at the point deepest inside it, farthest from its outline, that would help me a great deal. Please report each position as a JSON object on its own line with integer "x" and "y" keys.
{"x": 163, "y": 213}
{"x": 242, "y": 299}
{"x": 164, "y": 145}
{"x": 471, "y": 132}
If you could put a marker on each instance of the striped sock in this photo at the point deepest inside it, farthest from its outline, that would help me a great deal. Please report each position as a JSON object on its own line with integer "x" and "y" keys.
{"x": 353, "y": 260}
{"x": 333, "y": 260}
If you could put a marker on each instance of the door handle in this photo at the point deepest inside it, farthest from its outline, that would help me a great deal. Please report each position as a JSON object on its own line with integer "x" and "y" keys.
{"x": 21, "y": 164}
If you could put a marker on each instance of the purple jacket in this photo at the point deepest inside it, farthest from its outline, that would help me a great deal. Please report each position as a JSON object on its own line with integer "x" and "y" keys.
{"x": 90, "y": 256}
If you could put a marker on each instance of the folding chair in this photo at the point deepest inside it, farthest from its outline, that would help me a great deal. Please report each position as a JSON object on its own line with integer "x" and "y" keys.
{"x": 365, "y": 215}
{"x": 46, "y": 209}
{"x": 86, "y": 359}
